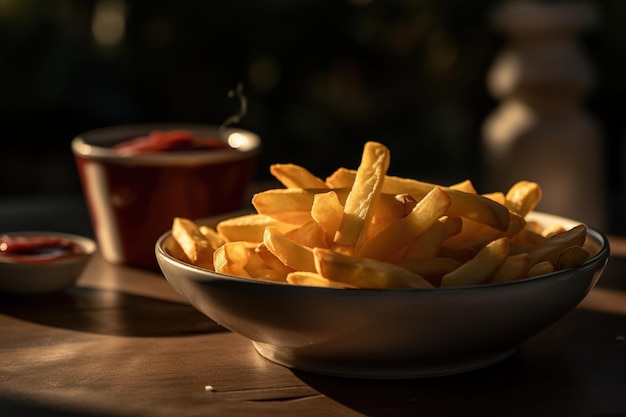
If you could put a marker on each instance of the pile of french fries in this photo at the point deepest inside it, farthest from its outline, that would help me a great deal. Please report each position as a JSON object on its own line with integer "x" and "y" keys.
{"x": 365, "y": 229}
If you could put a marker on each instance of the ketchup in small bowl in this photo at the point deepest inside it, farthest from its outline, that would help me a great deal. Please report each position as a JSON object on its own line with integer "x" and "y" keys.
{"x": 41, "y": 262}
{"x": 38, "y": 249}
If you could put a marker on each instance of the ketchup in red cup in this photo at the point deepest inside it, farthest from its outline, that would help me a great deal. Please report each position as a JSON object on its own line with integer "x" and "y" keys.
{"x": 165, "y": 141}
{"x": 137, "y": 178}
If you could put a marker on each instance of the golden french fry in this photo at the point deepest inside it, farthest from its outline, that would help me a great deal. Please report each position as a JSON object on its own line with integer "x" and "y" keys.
{"x": 196, "y": 247}
{"x": 552, "y": 230}
{"x": 341, "y": 178}
{"x": 327, "y": 211}
{"x": 310, "y": 234}
{"x": 541, "y": 268}
{"x": 550, "y": 249}
{"x": 403, "y": 231}
{"x": 377, "y": 225}
{"x": 215, "y": 239}
{"x": 571, "y": 256}
{"x": 480, "y": 268}
{"x": 249, "y": 227}
{"x": 469, "y": 228}
{"x": 361, "y": 200}
{"x": 292, "y": 254}
{"x": 497, "y": 196}
{"x": 427, "y": 244}
{"x": 523, "y": 197}
{"x": 405, "y": 205}
{"x": 466, "y": 186}
{"x": 272, "y": 262}
{"x": 475, "y": 235}
{"x": 363, "y": 272}
{"x": 527, "y": 237}
{"x": 258, "y": 267}
{"x": 173, "y": 248}
{"x": 467, "y": 205}
{"x": 453, "y": 224}
{"x": 295, "y": 176}
{"x": 478, "y": 208}
{"x": 514, "y": 267}
{"x": 314, "y": 279}
{"x": 232, "y": 257}
{"x": 290, "y": 205}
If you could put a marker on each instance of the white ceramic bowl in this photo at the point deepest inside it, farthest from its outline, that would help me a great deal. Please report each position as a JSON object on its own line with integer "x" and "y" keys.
{"x": 390, "y": 333}
{"x": 44, "y": 276}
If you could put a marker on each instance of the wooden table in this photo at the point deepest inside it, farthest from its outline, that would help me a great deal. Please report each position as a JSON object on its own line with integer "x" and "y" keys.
{"x": 123, "y": 343}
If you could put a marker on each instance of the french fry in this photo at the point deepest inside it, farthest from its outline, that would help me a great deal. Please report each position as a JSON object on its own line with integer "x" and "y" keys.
{"x": 480, "y": 268}
{"x": 361, "y": 200}
{"x": 363, "y": 272}
{"x": 310, "y": 234}
{"x": 523, "y": 197}
{"x": 552, "y": 230}
{"x": 173, "y": 248}
{"x": 405, "y": 205}
{"x": 215, "y": 239}
{"x": 514, "y": 267}
{"x": 402, "y": 231}
{"x": 571, "y": 256}
{"x": 193, "y": 243}
{"x": 295, "y": 176}
{"x": 328, "y": 212}
{"x": 249, "y": 227}
{"x": 290, "y": 253}
{"x": 541, "y": 268}
{"x": 466, "y": 186}
{"x": 478, "y": 235}
{"x": 290, "y": 205}
{"x": 232, "y": 257}
{"x": 469, "y": 228}
{"x": 427, "y": 244}
{"x": 527, "y": 238}
{"x": 272, "y": 262}
{"x": 259, "y": 266}
{"x": 550, "y": 249}
{"x": 497, "y": 196}
{"x": 314, "y": 279}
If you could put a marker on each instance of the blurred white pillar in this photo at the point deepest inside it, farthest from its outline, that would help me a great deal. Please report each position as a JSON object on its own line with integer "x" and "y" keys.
{"x": 541, "y": 131}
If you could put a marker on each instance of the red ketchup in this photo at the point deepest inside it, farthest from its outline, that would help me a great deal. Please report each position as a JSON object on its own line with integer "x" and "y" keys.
{"x": 37, "y": 249}
{"x": 162, "y": 141}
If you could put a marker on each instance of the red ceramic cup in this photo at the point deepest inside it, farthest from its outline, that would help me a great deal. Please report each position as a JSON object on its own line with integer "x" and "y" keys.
{"x": 132, "y": 199}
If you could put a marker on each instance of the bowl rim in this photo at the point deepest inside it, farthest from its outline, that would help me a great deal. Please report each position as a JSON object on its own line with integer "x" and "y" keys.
{"x": 81, "y": 146}
{"x": 597, "y": 260}
{"x": 88, "y": 244}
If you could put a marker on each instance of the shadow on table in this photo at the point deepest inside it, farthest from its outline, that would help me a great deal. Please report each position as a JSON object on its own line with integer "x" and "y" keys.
{"x": 109, "y": 312}
{"x": 501, "y": 389}
{"x": 12, "y": 407}
{"x": 551, "y": 374}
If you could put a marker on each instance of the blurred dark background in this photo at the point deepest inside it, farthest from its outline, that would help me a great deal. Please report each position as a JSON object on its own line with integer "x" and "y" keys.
{"x": 321, "y": 77}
